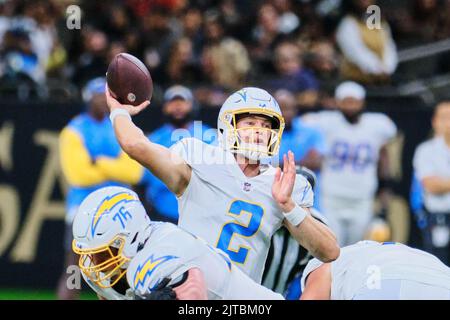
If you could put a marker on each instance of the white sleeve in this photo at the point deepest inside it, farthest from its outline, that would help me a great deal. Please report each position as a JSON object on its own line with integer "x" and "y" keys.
{"x": 349, "y": 40}
{"x": 423, "y": 166}
{"x": 310, "y": 267}
{"x": 189, "y": 149}
{"x": 387, "y": 127}
{"x": 316, "y": 120}
{"x": 390, "y": 57}
{"x": 147, "y": 274}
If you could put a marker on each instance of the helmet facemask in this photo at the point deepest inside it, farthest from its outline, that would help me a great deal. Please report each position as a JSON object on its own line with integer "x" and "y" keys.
{"x": 111, "y": 267}
{"x": 233, "y": 139}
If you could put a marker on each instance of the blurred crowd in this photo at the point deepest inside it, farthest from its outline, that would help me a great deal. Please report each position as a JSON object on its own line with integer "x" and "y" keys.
{"x": 216, "y": 46}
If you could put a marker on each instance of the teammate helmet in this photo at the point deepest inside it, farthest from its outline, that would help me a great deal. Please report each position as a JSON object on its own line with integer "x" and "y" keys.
{"x": 110, "y": 227}
{"x": 378, "y": 230}
{"x": 249, "y": 101}
{"x": 94, "y": 86}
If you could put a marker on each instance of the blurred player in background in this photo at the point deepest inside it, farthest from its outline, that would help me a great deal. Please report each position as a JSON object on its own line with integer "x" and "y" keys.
{"x": 179, "y": 111}
{"x": 91, "y": 158}
{"x": 432, "y": 168}
{"x": 355, "y": 142}
{"x": 370, "y": 270}
{"x": 224, "y": 195}
{"x": 123, "y": 255}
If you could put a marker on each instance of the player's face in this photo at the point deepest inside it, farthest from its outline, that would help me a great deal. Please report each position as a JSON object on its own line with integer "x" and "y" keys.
{"x": 441, "y": 120}
{"x": 254, "y": 130}
{"x": 178, "y": 108}
{"x": 102, "y": 257}
{"x": 98, "y": 106}
{"x": 350, "y": 105}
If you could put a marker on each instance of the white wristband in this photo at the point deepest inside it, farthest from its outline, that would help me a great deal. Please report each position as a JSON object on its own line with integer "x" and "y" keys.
{"x": 118, "y": 112}
{"x": 296, "y": 215}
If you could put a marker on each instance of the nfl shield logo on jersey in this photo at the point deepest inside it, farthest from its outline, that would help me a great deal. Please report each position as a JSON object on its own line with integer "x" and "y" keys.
{"x": 247, "y": 186}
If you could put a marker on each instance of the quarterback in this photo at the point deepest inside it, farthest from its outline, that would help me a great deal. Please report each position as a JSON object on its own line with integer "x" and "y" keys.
{"x": 225, "y": 195}
{"x": 124, "y": 255}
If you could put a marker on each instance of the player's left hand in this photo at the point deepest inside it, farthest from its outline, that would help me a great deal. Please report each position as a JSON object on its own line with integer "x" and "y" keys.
{"x": 283, "y": 184}
{"x": 114, "y": 104}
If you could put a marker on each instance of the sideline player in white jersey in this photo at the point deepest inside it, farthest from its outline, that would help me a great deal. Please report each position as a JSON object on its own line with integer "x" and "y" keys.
{"x": 354, "y": 142}
{"x": 370, "y": 270}
{"x": 431, "y": 163}
{"x": 225, "y": 195}
{"x": 114, "y": 237}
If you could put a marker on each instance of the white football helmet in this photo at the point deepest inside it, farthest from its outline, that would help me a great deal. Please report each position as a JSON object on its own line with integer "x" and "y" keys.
{"x": 110, "y": 227}
{"x": 251, "y": 101}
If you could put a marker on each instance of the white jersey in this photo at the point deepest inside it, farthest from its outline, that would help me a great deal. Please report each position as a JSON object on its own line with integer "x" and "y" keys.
{"x": 230, "y": 211}
{"x": 349, "y": 169}
{"x": 360, "y": 265}
{"x": 170, "y": 251}
{"x": 432, "y": 158}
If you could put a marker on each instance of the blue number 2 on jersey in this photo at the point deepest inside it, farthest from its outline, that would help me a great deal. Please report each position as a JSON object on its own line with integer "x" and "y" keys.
{"x": 229, "y": 229}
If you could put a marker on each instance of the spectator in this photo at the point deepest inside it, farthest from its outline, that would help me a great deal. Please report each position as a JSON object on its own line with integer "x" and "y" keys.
{"x": 230, "y": 64}
{"x": 91, "y": 158}
{"x": 18, "y": 60}
{"x": 192, "y": 21}
{"x": 265, "y": 35}
{"x": 322, "y": 59}
{"x": 118, "y": 22}
{"x": 157, "y": 35}
{"x": 93, "y": 61}
{"x": 419, "y": 24}
{"x": 293, "y": 76}
{"x": 369, "y": 55}
{"x": 182, "y": 66}
{"x": 34, "y": 33}
{"x": 225, "y": 63}
{"x": 432, "y": 167}
{"x": 28, "y": 39}
{"x": 179, "y": 111}
{"x": 289, "y": 21}
{"x": 355, "y": 147}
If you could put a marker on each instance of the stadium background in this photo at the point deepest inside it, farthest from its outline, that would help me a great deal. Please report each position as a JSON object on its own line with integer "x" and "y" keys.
{"x": 34, "y": 108}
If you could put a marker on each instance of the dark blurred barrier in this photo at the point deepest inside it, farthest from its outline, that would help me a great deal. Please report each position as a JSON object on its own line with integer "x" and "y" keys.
{"x": 31, "y": 185}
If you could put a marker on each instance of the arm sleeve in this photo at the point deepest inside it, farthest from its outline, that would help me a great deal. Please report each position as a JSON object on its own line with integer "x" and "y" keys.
{"x": 76, "y": 162}
{"x": 422, "y": 163}
{"x": 354, "y": 49}
{"x": 145, "y": 277}
{"x": 388, "y": 128}
{"x": 390, "y": 57}
{"x": 122, "y": 169}
{"x": 317, "y": 120}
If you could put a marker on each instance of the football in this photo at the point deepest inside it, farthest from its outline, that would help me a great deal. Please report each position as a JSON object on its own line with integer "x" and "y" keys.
{"x": 129, "y": 80}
